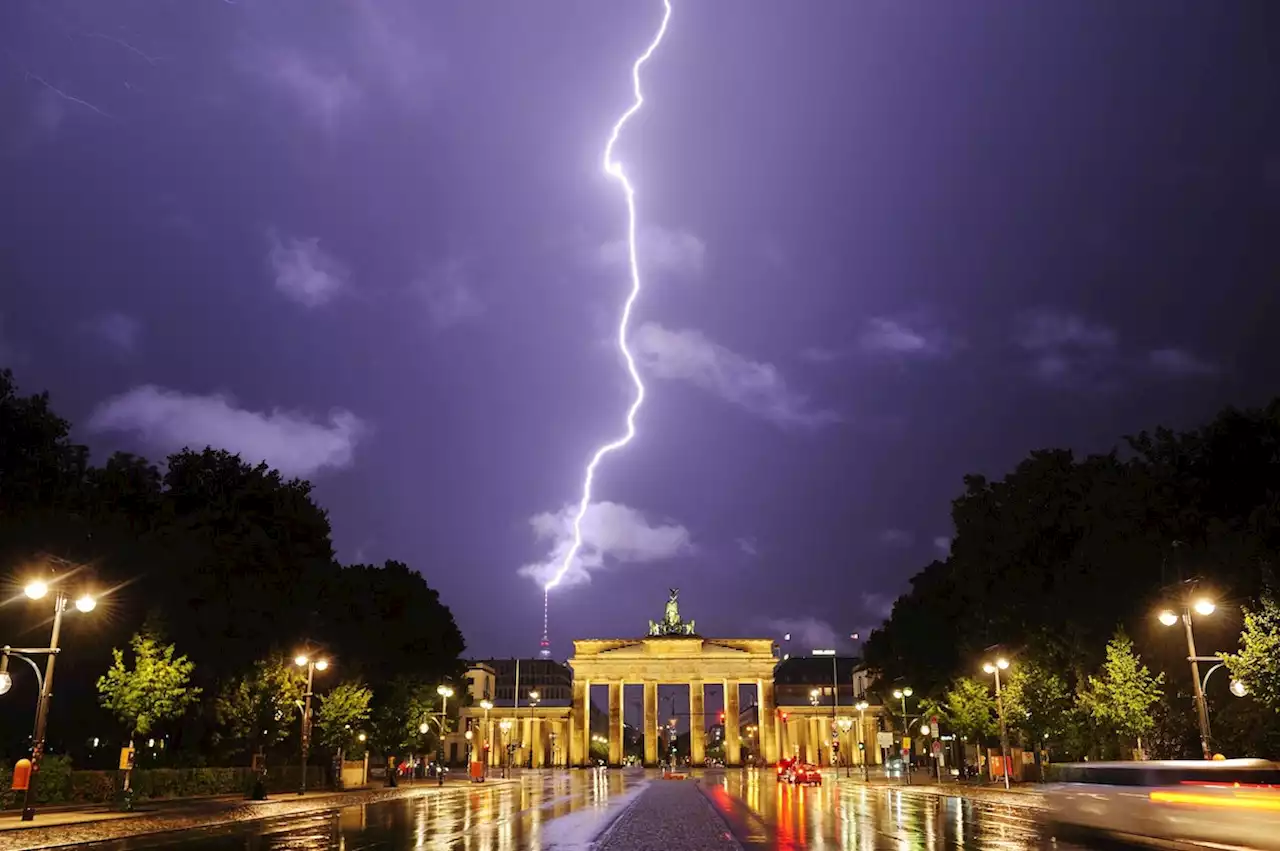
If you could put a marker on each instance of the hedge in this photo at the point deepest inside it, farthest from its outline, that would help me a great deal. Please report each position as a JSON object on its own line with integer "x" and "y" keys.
{"x": 60, "y": 784}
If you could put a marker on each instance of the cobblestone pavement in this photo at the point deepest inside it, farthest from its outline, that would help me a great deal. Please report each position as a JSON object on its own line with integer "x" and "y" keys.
{"x": 670, "y": 815}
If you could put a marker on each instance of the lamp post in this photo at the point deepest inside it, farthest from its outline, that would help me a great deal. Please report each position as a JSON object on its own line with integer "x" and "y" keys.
{"x": 902, "y": 694}
{"x": 505, "y": 726}
{"x": 861, "y": 706}
{"x": 37, "y": 589}
{"x": 995, "y": 668}
{"x": 486, "y": 704}
{"x": 535, "y": 697}
{"x": 302, "y": 660}
{"x": 1205, "y": 607}
{"x": 445, "y": 693}
{"x": 845, "y": 724}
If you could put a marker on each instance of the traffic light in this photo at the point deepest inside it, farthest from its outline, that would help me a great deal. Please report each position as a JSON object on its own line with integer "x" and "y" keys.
{"x": 862, "y": 746}
{"x": 835, "y": 746}
{"x": 721, "y": 716}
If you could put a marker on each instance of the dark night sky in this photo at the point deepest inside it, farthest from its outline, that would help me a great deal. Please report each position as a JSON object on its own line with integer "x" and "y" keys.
{"x": 884, "y": 244}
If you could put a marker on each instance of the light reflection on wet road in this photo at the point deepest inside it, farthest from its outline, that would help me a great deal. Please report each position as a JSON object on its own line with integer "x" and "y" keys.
{"x": 563, "y": 811}
{"x": 766, "y": 814}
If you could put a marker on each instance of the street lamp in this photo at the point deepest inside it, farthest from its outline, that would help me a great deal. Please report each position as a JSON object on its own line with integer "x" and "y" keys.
{"x": 995, "y": 668}
{"x": 37, "y": 589}
{"x": 845, "y": 725}
{"x": 1205, "y": 607}
{"x": 902, "y": 694}
{"x": 312, "y": 665}
{"x": 445, "y": 692}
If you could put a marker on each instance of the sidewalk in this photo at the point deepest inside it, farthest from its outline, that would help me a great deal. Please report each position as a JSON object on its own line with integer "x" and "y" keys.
{"x": 62, "y": 826}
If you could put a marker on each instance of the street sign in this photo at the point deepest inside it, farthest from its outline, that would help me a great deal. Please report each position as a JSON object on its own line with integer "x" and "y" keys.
{"x": 937, "y": 748}
{"x": 884, "y": 739}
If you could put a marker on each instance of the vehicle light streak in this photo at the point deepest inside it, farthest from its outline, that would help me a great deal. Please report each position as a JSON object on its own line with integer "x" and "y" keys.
{"x": 1243, "y": 801}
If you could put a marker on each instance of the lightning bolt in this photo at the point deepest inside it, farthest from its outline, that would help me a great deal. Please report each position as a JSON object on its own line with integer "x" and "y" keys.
{"x": 614, "y": 169}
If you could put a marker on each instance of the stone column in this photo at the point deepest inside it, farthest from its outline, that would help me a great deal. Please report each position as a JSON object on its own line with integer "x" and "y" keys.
{"x": 768, "y": 720}
{"x": 814, "y": 750}
{"x": 650, "y": 723}
{"x": 579, "y": 744}
{"x": 732, "y": 735}
{"x": 615, "y": 723}
{"x": 539, "y": 746}
{"x": 697, "y": 723}
{"x": 491, "y": 741}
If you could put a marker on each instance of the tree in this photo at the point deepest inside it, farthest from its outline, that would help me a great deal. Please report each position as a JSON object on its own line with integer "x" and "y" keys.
{"x": 155, "y": 690}
{"x": 416, "y": 636}
{"x": 341, "y": 714}
{"x": 1258, "y": 662}
{"x": 1121, "y": 696}
{"x": 400, "y": 711}
{"x": 258, "y": 709}
{"x": 1036, "y": 703}
{"x": 253, "y": 558}
{"x": 39, "y": 465}
{"x": 970, "y": 708}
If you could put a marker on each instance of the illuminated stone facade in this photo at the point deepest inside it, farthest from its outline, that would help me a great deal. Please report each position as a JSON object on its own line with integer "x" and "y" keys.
{"x": 673, "y": 660}
{"x": 560, "y": 735}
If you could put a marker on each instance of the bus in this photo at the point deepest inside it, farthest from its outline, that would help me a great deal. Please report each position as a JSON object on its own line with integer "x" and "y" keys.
{"x": 1234, "y": 802}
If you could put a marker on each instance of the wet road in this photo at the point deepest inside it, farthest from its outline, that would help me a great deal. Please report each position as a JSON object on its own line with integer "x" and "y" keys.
{"x": 564, "y": 811}
{"x": 839, "y": 815}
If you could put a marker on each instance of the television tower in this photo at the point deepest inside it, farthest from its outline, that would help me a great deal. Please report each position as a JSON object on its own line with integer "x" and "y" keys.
{"x": 544, "y": 651}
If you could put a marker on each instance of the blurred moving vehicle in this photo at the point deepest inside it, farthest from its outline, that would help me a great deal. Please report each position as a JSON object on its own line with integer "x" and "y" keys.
{"x": 784, "y": 768}
{"x": 1234, "y": 802}
{"x": 804, "y": 774}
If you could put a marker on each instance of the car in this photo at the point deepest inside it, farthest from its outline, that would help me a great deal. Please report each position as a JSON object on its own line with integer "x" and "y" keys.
{"x": 784, "y": 768}
{"x": 805, "y": 774}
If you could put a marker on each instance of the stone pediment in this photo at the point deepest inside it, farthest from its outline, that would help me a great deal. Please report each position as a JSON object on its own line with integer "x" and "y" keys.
{"x": 673, "y": 650}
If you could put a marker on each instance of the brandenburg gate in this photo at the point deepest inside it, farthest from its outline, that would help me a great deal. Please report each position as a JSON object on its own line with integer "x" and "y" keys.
{"x": 673, "y": 654}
